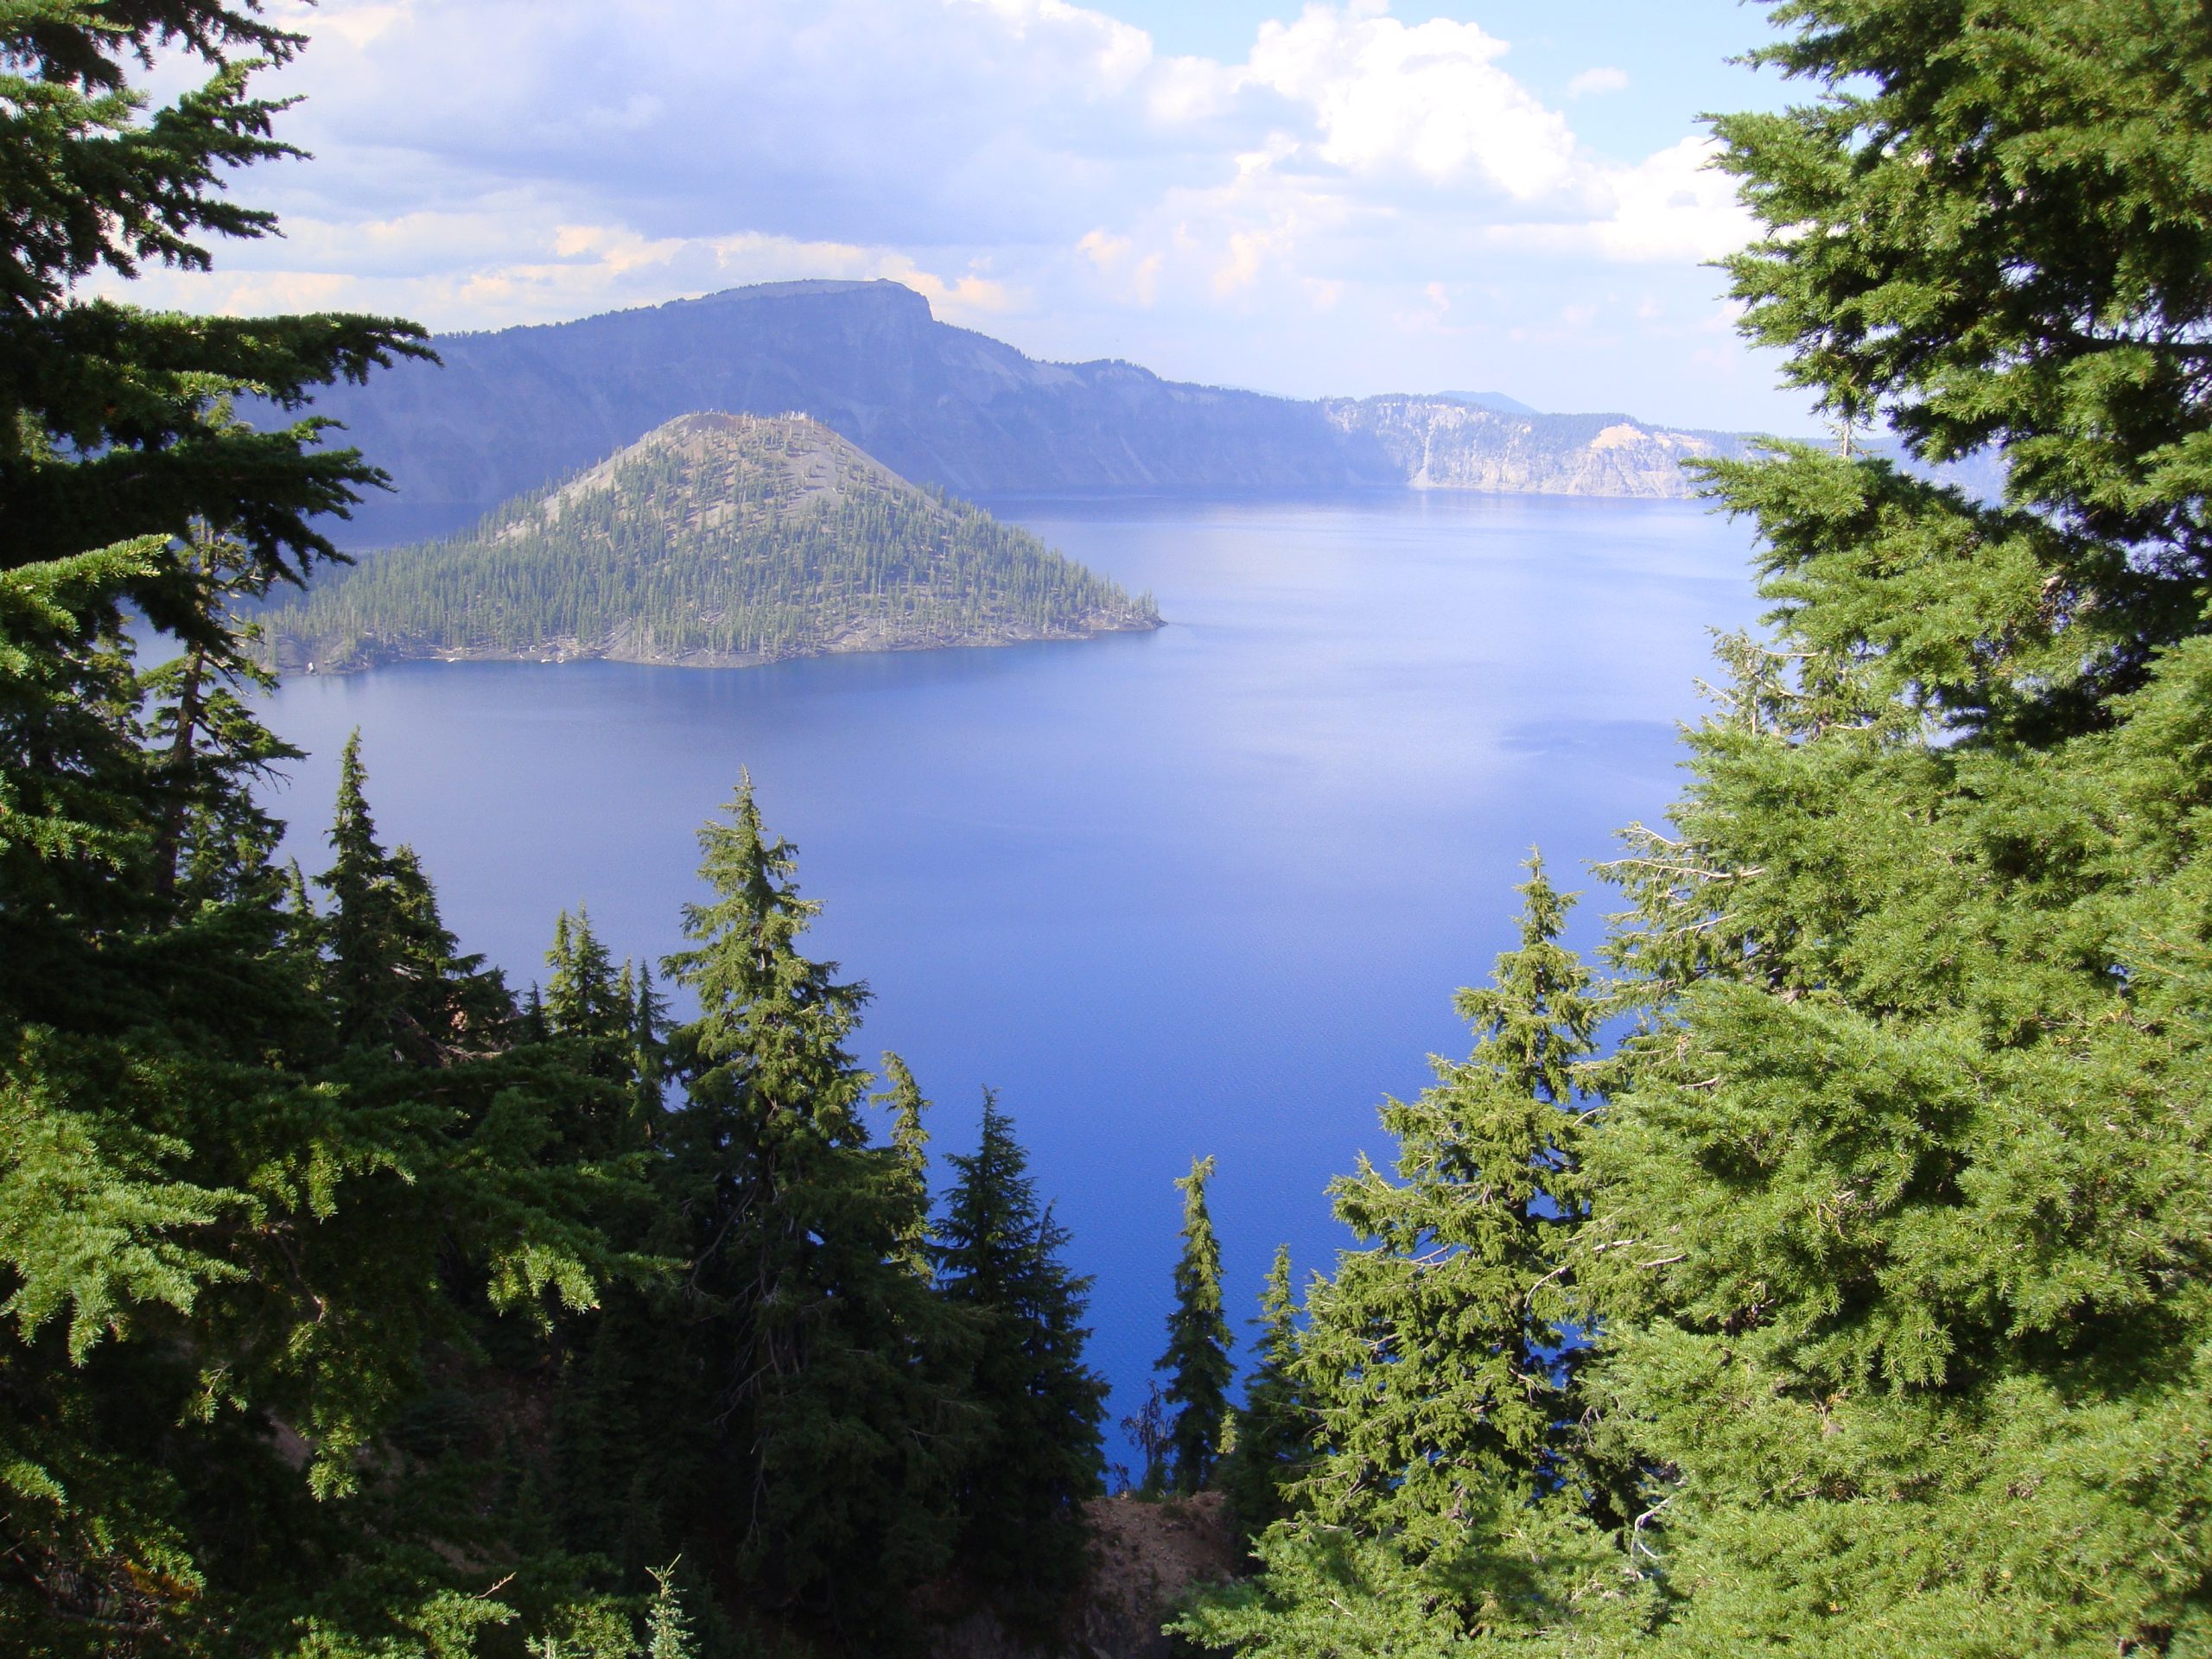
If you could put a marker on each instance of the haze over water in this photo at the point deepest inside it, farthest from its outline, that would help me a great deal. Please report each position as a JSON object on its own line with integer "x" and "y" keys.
{"x": 1207, "y": 890}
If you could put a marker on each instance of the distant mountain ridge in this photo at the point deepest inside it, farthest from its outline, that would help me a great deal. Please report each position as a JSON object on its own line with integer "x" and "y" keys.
{"x": 512, "y": 410}
{"x": 716, "y": 540}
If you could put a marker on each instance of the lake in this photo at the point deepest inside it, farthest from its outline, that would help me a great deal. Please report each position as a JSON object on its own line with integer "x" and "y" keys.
{"x": 1203, "y": 891}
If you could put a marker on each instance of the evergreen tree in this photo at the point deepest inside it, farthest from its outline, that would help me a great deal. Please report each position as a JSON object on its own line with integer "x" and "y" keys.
{"x": 909, "y": 1152}
{"x": 582, "y": 999}
{"x": 227, "y": 1248}
{"x": 668, "y": 1630}
{"x": 1273, "y": 1430}
{"x": 1447, "y": 1490}
{"x": 1022, "y": 1533}
{"x": 834, "y": 1424}
{"x": 1197, "y": 1361}
{"x": 399, "y": 980}
{"x": 205, "y": 743}
{"x": 609, "y": 1028}
{"x": 648, "y": 1056}
{"x": 1901, "y": 1202}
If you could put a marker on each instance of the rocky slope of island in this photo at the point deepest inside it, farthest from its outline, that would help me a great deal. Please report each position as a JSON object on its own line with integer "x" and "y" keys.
{"x": 715, "y": 540}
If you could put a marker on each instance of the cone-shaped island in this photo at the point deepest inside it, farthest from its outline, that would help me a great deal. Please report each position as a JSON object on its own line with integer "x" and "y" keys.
{"x": 714, "y": 541}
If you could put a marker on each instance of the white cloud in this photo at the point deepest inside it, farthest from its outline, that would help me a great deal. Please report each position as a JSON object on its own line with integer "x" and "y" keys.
{"x": 1032, "y": 166}
{"x": 1675, "y": 206}
{"x": 1592, "y": 82}
{"x": 1430, "y": 98}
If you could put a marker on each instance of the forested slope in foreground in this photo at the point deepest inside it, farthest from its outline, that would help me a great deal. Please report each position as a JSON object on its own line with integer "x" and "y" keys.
{"x": 715, "y": 540}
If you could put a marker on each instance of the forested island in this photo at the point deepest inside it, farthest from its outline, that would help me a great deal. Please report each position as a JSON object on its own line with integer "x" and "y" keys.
{"x": 1822, "y": 1272}
{"x": 715, "y": 540}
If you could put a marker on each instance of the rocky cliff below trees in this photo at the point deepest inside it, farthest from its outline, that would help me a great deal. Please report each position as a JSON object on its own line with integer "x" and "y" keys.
{"x": 1145, "y": 1557}
{"x": 511, "y": 411}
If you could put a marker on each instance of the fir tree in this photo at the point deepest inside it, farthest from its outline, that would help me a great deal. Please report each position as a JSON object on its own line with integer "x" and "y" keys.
{"x": 401, "y": 984}
{"x": 594, "y": 1010}
{"x": 1272, "y": 1431}
{"x": 668, "y": 1630}
{"x": 648, "y": 1055}
{"x": 211, "y": 745}
{"x": 1447, "y": 1485}
{"x": 909, "y": 1152}
{"x": 1197, "y": 1362}
{"x": 837, "y": 1425}
{"x": 582, "y": 999}
{"x": 122, "y": 427}
{"x": 1900, "y": 1205}
{"x": 998, "y": 1254}
{"x": 225, "y": 1244}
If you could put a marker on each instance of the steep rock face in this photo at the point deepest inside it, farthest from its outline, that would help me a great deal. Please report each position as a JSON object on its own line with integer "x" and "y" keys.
{"x": 1447, "y": 443}
{"x": 935, "y": 404}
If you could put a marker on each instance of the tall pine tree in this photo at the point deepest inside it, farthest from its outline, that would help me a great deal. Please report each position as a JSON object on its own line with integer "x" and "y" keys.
{"x": 1273, "y": 1430}
{"x": 1197, "y": 1362}
{"x": 1445, "y": 1499}
{"x": 909, "y": 1152}
{"x": 833, "y": 1423}
{"x": 401, "y": 983}
{"x": 998, "y": 1254}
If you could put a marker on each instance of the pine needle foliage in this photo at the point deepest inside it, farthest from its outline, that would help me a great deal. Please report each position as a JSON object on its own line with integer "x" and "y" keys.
{"x": 1197, "y": 1363}
{"x": 1448, "y": 1483}
{"x": 1899, "y": 1206}
{"x": 117, "y": 417}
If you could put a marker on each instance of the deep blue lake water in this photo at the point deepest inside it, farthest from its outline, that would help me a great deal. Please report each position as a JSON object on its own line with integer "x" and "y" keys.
{"x": 1208, "y": 890}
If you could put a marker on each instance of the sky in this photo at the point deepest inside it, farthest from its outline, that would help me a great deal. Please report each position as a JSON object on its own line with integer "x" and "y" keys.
{"x": 1344, "y": 198}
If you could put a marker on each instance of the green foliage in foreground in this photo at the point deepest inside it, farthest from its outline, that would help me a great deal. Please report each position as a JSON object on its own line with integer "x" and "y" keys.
{"x": 716, "y": 538}
{"x": 1856, "y": 1304}
{"x": 349, "y": 1309}
{"x": 1450, "y": 1488}
{"x": 1890, "y": 1227}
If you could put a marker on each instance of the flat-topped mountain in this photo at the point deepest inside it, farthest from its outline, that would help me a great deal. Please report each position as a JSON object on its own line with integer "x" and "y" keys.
{"x": 511, "y": 411}
{"x": 716, "y": 539}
